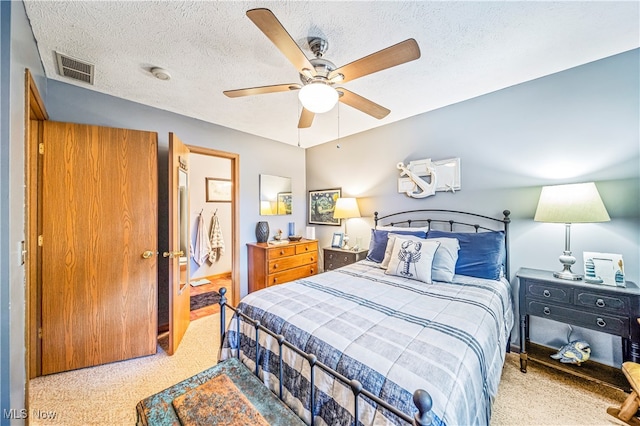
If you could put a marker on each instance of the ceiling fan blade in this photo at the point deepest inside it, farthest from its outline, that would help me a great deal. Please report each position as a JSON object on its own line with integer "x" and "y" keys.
{"x": 261, "y": 90}
{"x": 363, "y": 104}
{"x": 397, "y": 54}
{"x": 267, "y": 22}
{"x": 306, "y": 118}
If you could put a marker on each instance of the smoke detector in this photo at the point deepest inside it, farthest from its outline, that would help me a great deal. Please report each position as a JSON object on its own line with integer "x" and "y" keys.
{"x": 160, "y": 73}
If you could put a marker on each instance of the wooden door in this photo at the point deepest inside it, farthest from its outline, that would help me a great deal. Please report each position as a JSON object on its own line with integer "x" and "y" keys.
{"x": 99, "y": 244}
{"x": 179, "y": 237}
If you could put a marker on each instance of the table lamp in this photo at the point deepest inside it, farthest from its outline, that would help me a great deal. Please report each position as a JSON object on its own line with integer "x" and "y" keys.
{"x": 573, "y": 203}
{"x": 346, "y": 208}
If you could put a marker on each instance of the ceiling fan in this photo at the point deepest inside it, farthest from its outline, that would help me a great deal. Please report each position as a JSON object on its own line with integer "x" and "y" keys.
{"x": 318, "y": 75}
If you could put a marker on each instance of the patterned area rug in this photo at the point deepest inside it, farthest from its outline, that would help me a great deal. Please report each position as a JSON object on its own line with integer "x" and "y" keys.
{"x": 205, "y": 299}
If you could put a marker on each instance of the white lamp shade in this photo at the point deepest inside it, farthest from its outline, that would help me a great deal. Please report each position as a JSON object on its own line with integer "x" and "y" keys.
{"x": 318, "y": 97}
{"x": 346, "y": 208}
{"x": 574, "y": 203}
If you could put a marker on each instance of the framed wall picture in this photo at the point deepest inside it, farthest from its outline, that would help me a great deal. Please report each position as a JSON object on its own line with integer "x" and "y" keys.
{"x": 218, "y": 190}
{"x": 337, "y": 240}
{"x": 322, "y": 203}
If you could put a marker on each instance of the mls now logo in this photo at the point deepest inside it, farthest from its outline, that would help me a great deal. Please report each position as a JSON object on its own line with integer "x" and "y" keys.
{"x": 14, "y": 413}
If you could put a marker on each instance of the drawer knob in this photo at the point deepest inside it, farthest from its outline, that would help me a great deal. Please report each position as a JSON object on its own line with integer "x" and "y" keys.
{"x": 546, "y": 310}
{"x": 312, "y": 258}
{"x": 601, "y": 322}
{"x": 281, "y": 251}
{"x": 600, "y": 303}
{"x": 546, "y": 293}
{"x": 275, "y": 266}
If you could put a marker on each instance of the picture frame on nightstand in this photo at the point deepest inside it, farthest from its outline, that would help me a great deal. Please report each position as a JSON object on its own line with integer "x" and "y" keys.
{"x": 603, "y": 268}
{"x": 336, "y": 241}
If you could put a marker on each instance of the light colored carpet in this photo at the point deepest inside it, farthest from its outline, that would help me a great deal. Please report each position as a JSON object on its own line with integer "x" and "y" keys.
{"x": 108, "y": 394}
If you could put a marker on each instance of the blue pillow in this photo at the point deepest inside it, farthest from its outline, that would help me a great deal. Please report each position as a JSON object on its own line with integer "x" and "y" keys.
{"x": 379, "y": 239}
{"x": 481, "y": 254}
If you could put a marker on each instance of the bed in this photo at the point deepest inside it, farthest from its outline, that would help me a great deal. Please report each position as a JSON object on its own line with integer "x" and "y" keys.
{"x": 385, "y": 339}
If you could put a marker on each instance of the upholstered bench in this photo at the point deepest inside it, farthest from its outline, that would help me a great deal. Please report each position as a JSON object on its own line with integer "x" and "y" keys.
{"x": 227, "y": 393}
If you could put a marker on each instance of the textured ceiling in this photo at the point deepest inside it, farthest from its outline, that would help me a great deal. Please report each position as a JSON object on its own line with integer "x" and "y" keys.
{"x": 468, "y": 49}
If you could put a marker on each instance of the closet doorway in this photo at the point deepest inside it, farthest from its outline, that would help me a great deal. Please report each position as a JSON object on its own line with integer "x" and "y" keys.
{"x": 214, "y": 217}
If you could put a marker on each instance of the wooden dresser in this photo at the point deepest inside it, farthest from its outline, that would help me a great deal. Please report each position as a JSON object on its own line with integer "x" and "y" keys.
{"x": 276, "y": 264}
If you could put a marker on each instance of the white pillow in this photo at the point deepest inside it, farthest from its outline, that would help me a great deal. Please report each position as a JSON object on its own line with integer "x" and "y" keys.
{"x": 391, "y": 238}
{"x": 412, "y": 257}
{"x": 444, "y": 261}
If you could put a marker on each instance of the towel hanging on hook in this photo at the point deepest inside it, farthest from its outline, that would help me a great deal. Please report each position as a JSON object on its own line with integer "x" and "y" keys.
{"x": 216, "y": 241}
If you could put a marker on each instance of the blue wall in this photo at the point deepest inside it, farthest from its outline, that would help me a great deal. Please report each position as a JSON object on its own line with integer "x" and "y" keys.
{"x": 18, "y": 51}
{"x": 574, "y": 126}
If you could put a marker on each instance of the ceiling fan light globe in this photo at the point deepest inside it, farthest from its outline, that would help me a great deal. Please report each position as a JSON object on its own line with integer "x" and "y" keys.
{"x": 318, "y": 97}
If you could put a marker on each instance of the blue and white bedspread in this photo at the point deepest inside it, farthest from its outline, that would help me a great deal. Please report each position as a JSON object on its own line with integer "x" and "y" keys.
{"x": 392, "y": 334}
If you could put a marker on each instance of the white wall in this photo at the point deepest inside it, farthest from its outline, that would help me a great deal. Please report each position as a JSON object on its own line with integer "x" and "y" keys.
{"x": 574, "y": 126}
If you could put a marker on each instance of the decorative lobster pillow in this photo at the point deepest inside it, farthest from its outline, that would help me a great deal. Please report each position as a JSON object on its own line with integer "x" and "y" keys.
{"x": 412, "y": 258}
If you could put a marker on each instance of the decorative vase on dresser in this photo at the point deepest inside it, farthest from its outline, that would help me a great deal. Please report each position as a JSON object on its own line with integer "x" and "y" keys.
{"x": 271, "y": 264}
{"x": 262, "y": 231}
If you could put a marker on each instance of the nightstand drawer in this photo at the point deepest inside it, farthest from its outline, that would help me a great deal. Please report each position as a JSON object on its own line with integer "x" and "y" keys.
{"x": 544, "y": 291}
{"x": 340, "y": 259}
{"x": 595, "y": 321}
{"x": 616, "y": 304}
{"x": 335, "y": 258}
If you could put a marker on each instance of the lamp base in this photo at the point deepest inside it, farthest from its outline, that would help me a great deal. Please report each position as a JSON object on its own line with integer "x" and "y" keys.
{"x": 567, "y": 275}
{"x": 567, "y": 260}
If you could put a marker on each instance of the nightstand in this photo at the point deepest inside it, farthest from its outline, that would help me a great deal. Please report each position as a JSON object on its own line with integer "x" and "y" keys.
{"x": 334, "y": 258}
{"x": 608, "y": 309}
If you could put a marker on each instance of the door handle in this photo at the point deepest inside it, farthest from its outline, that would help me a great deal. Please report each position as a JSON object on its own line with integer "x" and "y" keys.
{"x": 173, "y": 254}
{"x": 148, "y": 254}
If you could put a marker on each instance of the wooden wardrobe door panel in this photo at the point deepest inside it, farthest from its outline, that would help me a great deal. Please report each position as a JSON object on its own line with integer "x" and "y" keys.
{"x": 99, "y": 215}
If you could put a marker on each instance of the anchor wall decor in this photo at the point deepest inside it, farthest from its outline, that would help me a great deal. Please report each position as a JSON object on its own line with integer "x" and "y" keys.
{"x": 422, "y": 178}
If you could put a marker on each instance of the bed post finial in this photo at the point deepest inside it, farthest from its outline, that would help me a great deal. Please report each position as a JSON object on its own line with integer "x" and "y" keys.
{"x": 375, "y": 219}
{"x": 223, "y": 322}
{"x": 423, "y": 402}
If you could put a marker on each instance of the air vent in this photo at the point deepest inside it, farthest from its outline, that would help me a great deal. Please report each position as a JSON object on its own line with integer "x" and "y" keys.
{"x": 74, "y": 68}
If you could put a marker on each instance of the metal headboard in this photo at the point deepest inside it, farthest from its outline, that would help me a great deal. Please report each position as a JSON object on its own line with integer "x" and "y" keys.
{"x": 454, "y": 220}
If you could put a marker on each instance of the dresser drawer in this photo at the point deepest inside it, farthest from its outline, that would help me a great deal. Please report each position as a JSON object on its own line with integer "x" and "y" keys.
{"x": 594, "y": 320}
{"x": 285, "y": 263}
{"x": 543, "y": 291}
{"x": 614, "y": 304}
{"x": 307, "y": 247}
{"x": 292, "y": 274}
{"x": 278, "y": 252}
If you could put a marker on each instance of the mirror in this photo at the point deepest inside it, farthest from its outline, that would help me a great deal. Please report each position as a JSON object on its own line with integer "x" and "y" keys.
{"x": 183, "y": 229}
{"x": 275, "y": 195}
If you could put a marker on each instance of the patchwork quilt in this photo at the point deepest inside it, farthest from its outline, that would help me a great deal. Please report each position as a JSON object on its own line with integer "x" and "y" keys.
{"x": 393, "y": 334}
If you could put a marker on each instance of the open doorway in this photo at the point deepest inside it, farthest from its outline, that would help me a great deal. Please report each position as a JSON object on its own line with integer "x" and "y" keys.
{"x": 209, "y": 172}
{"x": 211, "y": 225}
